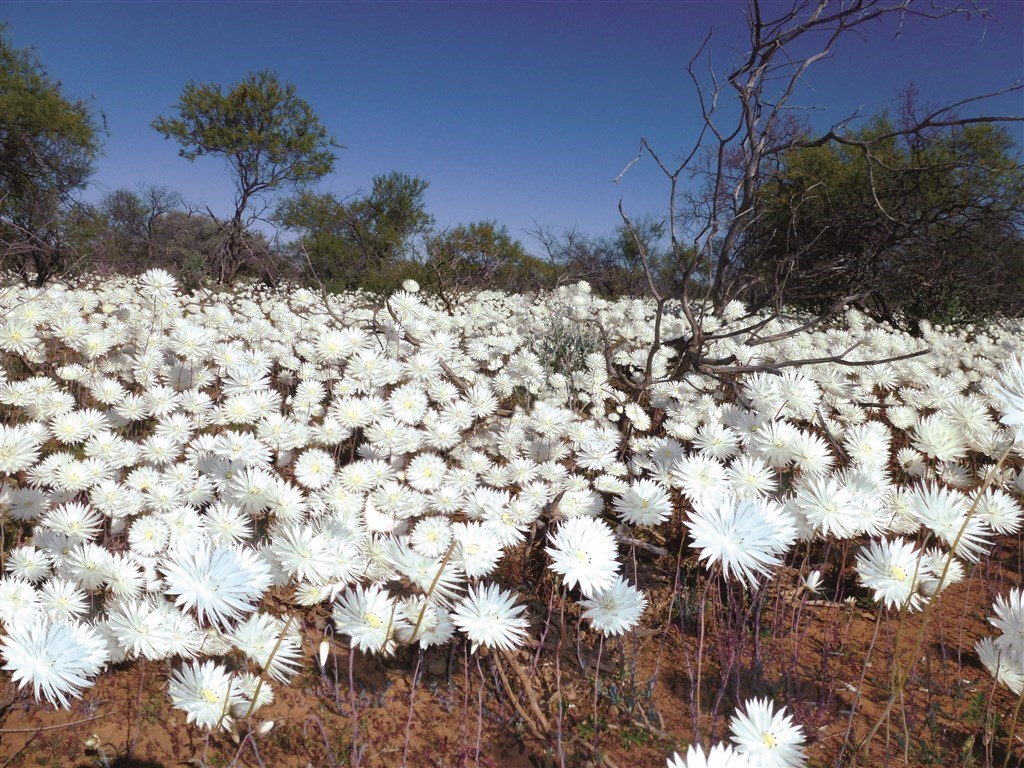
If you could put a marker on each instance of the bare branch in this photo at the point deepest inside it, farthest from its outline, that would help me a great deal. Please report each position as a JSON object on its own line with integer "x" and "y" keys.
{"x": 832, "y": 360}
{"x": 734, "y": 156}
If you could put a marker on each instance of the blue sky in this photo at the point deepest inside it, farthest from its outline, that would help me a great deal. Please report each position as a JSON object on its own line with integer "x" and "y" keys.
{"x": 521, "y": 112}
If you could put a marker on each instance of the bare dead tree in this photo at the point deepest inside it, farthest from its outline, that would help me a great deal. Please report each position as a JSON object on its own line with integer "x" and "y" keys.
{"x": 612, "y": 265}
{"x": 567, "y": 254}
{"x": 748, "y": 125}
{"x": 158, "y": 201}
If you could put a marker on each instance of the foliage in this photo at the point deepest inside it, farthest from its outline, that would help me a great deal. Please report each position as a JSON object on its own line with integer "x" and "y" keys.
{"x": 48, "y": 144}
{"x": 566, "y": 347}
{"x": 270, "y": 137}
{"x": 927, "y": 226}
{"x": 361, "y": 242}
{"x": 480, "y": 255}
{"x": 719, "y": 218}
{"x": 181, "y": 238}
{"x": 194, "y": 268}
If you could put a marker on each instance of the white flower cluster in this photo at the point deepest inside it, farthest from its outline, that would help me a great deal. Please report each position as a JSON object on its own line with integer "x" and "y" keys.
{"x": 172, "y": 458}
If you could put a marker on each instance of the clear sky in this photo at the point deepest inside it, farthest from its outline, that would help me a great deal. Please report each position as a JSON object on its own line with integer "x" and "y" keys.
{"x": 523, "y": 112}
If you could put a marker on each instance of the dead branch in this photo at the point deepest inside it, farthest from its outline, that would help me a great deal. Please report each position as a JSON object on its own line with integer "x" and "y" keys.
{"x": 736, "y": 147}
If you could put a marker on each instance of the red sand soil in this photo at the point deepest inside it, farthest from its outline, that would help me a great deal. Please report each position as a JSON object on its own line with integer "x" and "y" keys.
{"x": 503, "y": 710}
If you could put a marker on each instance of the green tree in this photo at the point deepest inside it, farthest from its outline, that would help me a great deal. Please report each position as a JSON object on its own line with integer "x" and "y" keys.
{"x": 923, "y": 227}
{"x": 629, "y": 247}
{"x": 362, "y": 242}
{"x": 48, "y": 145}
{"x": 480, "y": 255}
{"x": 270, "y": 137}
{"x": 393, "y": 215}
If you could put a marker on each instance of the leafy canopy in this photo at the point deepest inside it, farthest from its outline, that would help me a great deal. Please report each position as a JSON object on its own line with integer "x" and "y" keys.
{"x": 358, "y": 242}
{"x": 271, "y": 139}
{"x": 927, "y": 226}
{"x": 48, "y": 145}
{"x": 48, "y": 142}
{"x": 269, "y": 135}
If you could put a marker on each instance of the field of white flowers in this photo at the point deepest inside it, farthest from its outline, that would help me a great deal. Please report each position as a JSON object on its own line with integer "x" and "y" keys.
{"x": 246, "y": 491}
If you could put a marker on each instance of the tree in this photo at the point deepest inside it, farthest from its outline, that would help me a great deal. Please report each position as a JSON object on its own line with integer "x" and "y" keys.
{"x": 480, "y": 255}
{"x": 385, "y": 224}
{"x": 927, "y": 227}
{"x": 133, "y": 235}
{"x": 186, "y": 242}
{"x": 632, "y": 246}
{"x": 613, "y": 265}
{"x": 48, "y": 144}
{"x": 270, "y": 138}
{"x": 716, "y": 189}
{"x": 358, "y": 242}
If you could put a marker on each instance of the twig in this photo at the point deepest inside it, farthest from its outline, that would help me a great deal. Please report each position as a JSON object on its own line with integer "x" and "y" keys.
{"x": 541, "y": 721}
{"x": 54, "y": 727}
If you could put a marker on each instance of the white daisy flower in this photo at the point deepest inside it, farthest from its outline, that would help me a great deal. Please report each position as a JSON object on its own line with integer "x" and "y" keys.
{"x": 894, "y": 570}
{"x": 701, "y": 479}
{"x": 220, "y": 583}
{"x": 1003, "y": 662}
{"x": 720, "y": 756}
{"x": 769, "y": 739}
{"x": 644, "y": 503}
{"x": 252, "y": 687}
{"x": 368, "y": 617}
{"x": 948, "y": 515}
{"x": 431, "y": 536}
{"x": 149, "y": 535}
{"x": 314, "y": 468}
{"x": 1009, "y": 620}
{"x": 140, "y": 628}
{"x": 56, "y": 658}
{"x": 637, "y": 417}
{"x": 29, "y": 563}
{"x": 261, "y": 637}
{"x": 19, "y": 600}
{"x": 615, "y": 610}
{"x": 206, "y": 692}
{"x": 746, "y": 536}
{"x": 61, "y": 600}
{"x": 939, "y": 438}
{"x": 584, "y": 552}
{"x": 425, "y": 622}
{"x": 489, "y": 616}
{"x": 1008, "y": 393}
{"x": 478, "y": 549}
